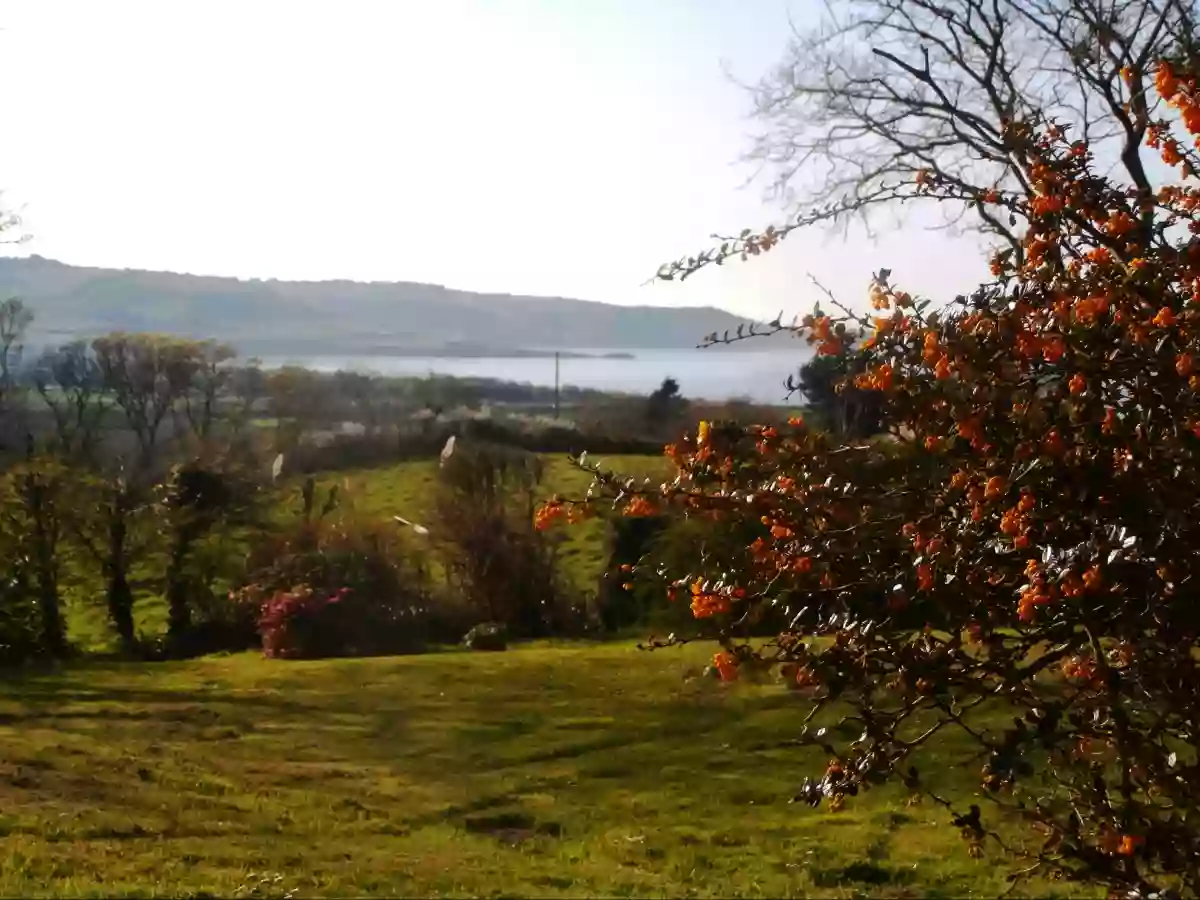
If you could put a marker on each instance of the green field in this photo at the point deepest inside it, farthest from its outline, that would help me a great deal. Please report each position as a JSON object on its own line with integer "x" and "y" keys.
{"x": 543, "y": 771}
{"x": 407, "y": 489}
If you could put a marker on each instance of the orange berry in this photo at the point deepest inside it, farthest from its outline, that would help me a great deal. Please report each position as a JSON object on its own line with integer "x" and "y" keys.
{"x": 1053, "y": 349}
{"x": 726, "y": 665}
{"x": 639, "y": 507}
{"x": 1165, "y": 318}
{"x": 924, "y": 576}
{"x": 1129, "y": 844}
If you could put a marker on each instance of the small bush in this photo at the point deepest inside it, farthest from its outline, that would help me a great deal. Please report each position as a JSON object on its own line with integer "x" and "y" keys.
{"x": 296, "y": 624}
{"x": 494, "y": 557}
{"x": 19, "y": 626}
{"x": 342, "y": 588}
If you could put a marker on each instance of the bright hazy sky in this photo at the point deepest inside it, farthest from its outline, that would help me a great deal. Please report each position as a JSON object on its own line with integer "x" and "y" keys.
{"x": 562, "y": 147}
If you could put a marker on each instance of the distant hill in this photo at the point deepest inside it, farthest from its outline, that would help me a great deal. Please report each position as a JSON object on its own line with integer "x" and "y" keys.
{"x": 267, "y": 317}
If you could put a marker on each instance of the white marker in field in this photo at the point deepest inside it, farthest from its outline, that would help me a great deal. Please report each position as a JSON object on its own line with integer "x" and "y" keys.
{"x": 277, "y": 467}
{"x": 419, "y": 529}
{"x": 447, "y": 451}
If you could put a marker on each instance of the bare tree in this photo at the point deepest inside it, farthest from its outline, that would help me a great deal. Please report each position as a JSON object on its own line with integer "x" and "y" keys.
{"x": 148, "y": 377}
{"x": 15, "y": 319}
{"x": 68, "y": 380}
{"x": 247, "y": 388}
{"x": 209, "y": 378}
{"x": 882, "y": 93}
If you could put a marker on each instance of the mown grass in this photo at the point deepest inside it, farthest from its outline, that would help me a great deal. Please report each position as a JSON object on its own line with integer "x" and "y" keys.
{"x": 543, "y": 771}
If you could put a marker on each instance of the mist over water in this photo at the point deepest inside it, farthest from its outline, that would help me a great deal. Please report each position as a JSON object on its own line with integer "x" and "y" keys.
{"x": 713, "y": 374}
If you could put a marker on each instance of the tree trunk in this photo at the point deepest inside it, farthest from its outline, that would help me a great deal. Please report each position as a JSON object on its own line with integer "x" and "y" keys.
{"x": 120, "y": 596}
{"x": 54, "y": 634}
{"x": 179, "y": 610}
{"x": 120, "y": 608}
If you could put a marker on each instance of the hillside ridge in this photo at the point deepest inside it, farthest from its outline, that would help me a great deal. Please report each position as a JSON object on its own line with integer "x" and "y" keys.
{"x": 336, "y": 316}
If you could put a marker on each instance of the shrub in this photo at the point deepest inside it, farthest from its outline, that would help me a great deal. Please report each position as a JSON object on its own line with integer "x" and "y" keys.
{"x": 343, "y": 586}
{"x": 20, "y": 632}
{"x": 484, "y": 528}
{"x": 621, "y": 602}
{"x": 33, "y": 499}
{"x": 1043, "y": 510}
{"x": 201, "y": 499}
{"x": 301, "y": 624}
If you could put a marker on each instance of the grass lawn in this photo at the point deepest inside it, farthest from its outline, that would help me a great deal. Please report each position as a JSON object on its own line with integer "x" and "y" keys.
{"x": 543, "y": 771}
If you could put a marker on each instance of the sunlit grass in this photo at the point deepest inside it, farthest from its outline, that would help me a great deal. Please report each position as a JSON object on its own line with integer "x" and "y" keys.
{"x": 543, "y": 771}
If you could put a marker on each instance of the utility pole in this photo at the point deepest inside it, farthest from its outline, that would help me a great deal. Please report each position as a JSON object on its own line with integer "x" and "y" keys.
{"x": 556, "y": 384}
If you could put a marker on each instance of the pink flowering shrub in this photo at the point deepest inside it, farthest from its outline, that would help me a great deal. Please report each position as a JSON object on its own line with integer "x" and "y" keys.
{"x": 342, "y": 587}
{"x": 301, "y": 623}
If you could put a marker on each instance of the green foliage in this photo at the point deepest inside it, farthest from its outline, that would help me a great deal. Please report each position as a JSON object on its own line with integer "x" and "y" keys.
{"x": 622, "y": 602}
{"x": 484, "y": 504}
{"x": 837, "y": 405}
{"x": 665, "y": 406}
{"x": 388, "y": 603}
{"x": 20, "y": 631}
{"x": 198, "y": 497}
{"x": 33, "y": 503}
